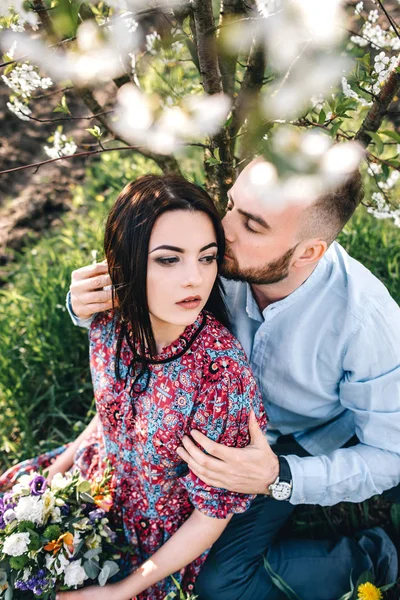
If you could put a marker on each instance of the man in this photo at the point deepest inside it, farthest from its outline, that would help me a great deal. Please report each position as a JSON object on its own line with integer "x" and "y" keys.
{"x": 323, "y": 338}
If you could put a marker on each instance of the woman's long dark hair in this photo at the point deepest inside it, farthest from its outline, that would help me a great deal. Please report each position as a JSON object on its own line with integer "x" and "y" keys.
{"x": 126, "y": 244}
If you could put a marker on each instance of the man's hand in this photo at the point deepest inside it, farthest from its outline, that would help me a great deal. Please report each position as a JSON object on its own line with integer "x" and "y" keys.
{"x": 87, "y": 294}
{"x": 248, "y": 470}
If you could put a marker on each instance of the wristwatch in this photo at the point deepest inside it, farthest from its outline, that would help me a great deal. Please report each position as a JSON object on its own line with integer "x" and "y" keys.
{"x": 281, "y": 488}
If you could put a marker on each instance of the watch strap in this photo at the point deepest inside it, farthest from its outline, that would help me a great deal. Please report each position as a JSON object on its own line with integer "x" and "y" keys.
{"x": 285, "y": 474}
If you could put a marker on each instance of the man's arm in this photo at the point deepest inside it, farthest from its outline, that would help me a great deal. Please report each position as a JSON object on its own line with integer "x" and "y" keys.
{"x": 87, "y": 295}
{"x": 370, "y": 390}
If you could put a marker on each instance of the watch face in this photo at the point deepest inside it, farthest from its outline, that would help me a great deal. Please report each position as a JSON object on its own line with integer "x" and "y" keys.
{"x": 281, "y": 490}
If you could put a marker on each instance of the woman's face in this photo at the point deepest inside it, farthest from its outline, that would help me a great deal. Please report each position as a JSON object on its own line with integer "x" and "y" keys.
{"x": 181, "y": 268}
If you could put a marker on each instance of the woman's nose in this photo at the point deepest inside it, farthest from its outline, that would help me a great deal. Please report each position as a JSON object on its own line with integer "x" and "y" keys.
{"x": 193, "y": 276}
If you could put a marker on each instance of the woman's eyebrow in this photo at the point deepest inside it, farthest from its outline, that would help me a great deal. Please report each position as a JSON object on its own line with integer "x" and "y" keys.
{"x": 181, "y": 250}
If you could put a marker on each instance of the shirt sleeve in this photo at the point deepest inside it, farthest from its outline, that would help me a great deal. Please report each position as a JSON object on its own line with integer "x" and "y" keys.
{"x": 223, "y": 415}
{"x": 370, "y": 389}
{"x": 85, "y": 323}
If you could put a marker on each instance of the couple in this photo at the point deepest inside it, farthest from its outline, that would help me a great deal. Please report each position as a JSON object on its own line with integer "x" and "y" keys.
{"x": 323, "y": 339}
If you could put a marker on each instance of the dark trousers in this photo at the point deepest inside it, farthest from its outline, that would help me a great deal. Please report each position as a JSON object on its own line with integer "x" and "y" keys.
{"x": 315, "y": 570}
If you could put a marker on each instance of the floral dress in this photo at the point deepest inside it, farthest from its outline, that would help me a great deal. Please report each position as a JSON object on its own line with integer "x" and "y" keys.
{"x": 201, "y": 381}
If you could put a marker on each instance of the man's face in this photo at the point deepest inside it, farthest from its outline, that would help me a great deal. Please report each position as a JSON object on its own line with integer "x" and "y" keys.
{"x": 260, "y": 240}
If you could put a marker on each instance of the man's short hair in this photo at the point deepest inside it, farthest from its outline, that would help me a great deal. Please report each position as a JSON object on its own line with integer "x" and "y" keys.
{"x": 327, "y": 216}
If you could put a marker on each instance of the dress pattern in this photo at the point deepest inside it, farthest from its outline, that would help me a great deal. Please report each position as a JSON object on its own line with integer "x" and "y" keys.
{"x": 201, "y": 381}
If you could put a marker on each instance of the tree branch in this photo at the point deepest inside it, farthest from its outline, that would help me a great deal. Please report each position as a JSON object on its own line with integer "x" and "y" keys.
{"x": 207, "y": 46}
{"x": 251, "y": 85}
{"x": 379, "y": 109}
{"x": 231, "y": 10}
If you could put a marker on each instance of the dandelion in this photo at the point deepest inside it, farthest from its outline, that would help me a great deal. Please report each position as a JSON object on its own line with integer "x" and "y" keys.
{"x": 368, "y": 591}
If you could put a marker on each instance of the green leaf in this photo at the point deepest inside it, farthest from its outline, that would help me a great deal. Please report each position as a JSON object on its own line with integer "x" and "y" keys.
{"x": 86, "y": 497}
{"x": 365, "y": 577}
{"x": 92, "y": 568}
{"x": 388, "y": 586}
{"x": 95, "y": 131}
{"x": 280, "y": 583}
{"x": 322, "y": 117}
{"x": 104, "y": 575}
{"x": 62, "y": 106}
{"x": 335, "y": 128}
{"x": 395, "y": 516}
{"x": 84, "y": 486}
{"x": 375, "y": 137}
{"x": 92, "y": 553}
{"x": 391, "y": 134}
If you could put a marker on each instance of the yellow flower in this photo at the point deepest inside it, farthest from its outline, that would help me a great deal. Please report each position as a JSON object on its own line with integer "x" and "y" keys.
{"x": 368, "y": 591}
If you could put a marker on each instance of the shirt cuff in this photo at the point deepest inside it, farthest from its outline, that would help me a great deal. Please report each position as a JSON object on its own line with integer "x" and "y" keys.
{"x": 308, "y": 479}
{"x": 76, "y": 320}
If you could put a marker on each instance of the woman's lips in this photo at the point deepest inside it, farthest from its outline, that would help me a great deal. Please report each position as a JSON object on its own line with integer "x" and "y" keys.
{"x": 190, "y": 303}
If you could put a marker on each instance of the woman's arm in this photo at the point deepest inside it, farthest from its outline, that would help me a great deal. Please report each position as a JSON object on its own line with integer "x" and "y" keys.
{"x": 195, "y": 536}
{"x": 65, "y": 460}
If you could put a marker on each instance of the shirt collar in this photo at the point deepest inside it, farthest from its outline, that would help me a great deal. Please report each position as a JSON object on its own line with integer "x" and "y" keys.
{"x": 316, "y": 276}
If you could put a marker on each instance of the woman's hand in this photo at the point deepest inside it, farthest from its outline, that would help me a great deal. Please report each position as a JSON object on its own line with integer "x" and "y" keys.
{"x": 60, "y": 465}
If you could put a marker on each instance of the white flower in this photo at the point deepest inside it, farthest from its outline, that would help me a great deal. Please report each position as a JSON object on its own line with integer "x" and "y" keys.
{"x": 373, "y": 16}
{"x": 62, "y": 146}
{"x": 24, "y": 79}
{"x": 30, "y": 508}
{"x": 359, "y": 8}
{"x": 20, "y": 110}
{"x": 74, "y": 574}
{"x": 17, "y": 544}
{"x": 9, "y": 516}
{"x": 60, "y": 481}
{"x": 151, "y": 40}
{"x": 56, "y": 564}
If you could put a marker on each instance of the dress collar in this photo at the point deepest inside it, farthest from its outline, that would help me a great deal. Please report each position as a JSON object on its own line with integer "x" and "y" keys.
{"x": 178, "y": 348}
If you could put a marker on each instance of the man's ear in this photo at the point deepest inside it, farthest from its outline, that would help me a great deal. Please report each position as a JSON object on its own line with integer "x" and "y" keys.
{"x": 310, "y": 252}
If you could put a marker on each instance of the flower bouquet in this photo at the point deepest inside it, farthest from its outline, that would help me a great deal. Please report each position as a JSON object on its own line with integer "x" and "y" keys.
{"x": 55, "y": 536}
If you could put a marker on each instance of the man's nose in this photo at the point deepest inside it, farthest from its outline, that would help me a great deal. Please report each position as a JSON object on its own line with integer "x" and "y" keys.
{"x": 228, "y": 226}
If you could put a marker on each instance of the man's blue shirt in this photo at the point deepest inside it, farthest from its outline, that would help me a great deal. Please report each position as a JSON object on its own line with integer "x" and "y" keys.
{"x": 327, "y": 361}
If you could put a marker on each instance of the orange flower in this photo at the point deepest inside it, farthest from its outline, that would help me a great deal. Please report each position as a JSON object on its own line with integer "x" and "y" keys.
{"x": 103, "y": 501}
{"x": 56, "y": 545}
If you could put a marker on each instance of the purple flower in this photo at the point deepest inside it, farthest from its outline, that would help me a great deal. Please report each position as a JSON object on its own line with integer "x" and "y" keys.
{"x": 65, "y": 509}
{"x": 96, "y": 514}
{"x": 38, "y": 485}
{"x": 36, "y": 583}
{"x": 2, "y": 511}
{"x": 8, "y": 499}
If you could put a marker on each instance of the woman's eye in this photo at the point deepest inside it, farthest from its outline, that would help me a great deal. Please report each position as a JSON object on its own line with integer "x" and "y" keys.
{"x": 170, "y": 260}
{"x": 208, "y": 259}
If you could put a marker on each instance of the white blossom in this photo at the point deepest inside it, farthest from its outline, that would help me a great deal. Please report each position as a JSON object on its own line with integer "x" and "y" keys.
{"x": 359, "y": 8}
{"x": 373, "y": 16}
{"x": 56, "y": 564}
{"x": 30, "y": 508}
{"x": 350, "y": 93}
{"x": 9, "y": 516}
{"x": 62, "y": 146}
{"x": 24, "y": 79}
{"x": 74, "y": 574}
{"x": 16, "y": 544}
{"x": 20, "y": 110}
{"x": 91, "y": 60}
{"x": 151, "y": 41}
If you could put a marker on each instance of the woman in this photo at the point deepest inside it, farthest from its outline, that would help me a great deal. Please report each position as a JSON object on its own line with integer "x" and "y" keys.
{"x": 162, "y": 365}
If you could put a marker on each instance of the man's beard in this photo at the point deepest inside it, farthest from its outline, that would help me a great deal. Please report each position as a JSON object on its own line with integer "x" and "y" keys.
{"x": 272, "y": 272}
